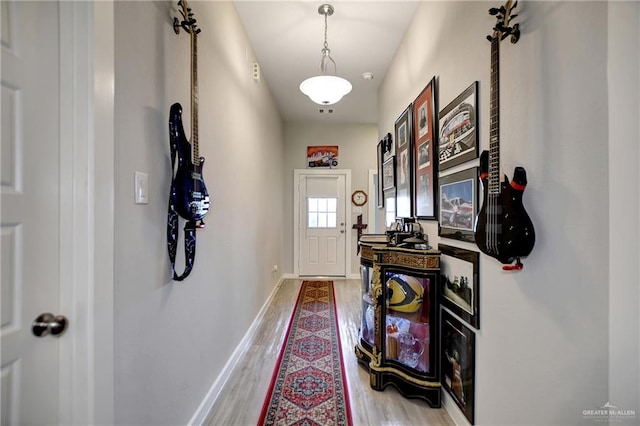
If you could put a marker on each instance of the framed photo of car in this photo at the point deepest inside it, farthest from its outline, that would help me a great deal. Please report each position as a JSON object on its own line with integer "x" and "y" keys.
{"x": 458, "y": 135}
{"x": 425, "y": 164}
{"x": 459, "y": 363}
{"x": 403, "y": 173}
{"x": 458, "y": 204}
{"x": 322, "y": 156}
{"x": 459, "y": 276}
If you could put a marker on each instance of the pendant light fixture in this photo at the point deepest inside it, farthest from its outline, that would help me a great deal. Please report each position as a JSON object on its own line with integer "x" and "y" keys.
{"x": 325, "y": 89}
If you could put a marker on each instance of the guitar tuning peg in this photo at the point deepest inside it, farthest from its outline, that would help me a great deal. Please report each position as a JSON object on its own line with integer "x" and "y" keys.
{"x": 489, "y": 38}
{"x": 493, "y": 11}
{"x": 176, "y": 25}
{"x": 515, "y": 34}
{"x": 514, "y": 16}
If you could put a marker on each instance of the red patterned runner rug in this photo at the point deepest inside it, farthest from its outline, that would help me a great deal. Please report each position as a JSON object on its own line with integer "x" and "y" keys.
{"x": 309, "y": 384}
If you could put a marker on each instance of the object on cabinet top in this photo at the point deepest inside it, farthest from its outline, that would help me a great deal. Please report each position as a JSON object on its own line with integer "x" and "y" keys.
{"x": 374, "y": 238}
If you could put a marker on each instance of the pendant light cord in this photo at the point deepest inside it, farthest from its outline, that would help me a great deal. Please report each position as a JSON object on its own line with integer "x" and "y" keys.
{"x": 326, "y": 52}
{"x": 326, "y": 45}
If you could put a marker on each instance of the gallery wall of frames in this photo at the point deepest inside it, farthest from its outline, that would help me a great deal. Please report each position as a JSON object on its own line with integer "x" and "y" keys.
{"x": 422, "y": 176}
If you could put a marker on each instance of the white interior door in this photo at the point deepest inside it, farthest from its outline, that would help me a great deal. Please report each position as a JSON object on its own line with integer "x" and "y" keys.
{"x": 322, "y": 225}
{"x": 30, "y": 213}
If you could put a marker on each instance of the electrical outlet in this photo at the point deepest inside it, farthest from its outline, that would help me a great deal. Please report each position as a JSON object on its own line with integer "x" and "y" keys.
{"x": 256, "y": 72}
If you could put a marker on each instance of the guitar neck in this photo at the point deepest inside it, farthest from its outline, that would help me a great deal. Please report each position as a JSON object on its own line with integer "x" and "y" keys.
{"x": 194, "y": 97}
{"x": 494, "y": 127}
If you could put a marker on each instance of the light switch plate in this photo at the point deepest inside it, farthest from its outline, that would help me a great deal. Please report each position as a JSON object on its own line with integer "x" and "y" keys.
{"x": 141, "y": 188}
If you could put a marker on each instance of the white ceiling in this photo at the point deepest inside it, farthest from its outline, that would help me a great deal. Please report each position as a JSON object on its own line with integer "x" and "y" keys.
{"x": 287, "y": 37}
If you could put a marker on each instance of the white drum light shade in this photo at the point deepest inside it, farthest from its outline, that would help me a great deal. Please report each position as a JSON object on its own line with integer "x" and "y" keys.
{"x": 325, "y": 89}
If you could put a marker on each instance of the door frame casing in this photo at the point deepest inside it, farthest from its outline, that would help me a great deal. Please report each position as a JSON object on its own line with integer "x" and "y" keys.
{"x": 297, "y": 174}
{"x": 87, "y": 143}
{"x": 373, "y": 205}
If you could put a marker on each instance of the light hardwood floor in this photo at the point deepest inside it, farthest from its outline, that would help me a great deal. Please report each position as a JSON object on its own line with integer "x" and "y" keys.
{"x": 241, "y": 399}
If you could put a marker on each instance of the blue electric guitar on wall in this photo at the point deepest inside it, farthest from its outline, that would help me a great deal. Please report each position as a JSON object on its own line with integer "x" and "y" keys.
{"x": 188, "y": 196}
{"x": 192, "y": 198}
{"x": 503, "y": 230}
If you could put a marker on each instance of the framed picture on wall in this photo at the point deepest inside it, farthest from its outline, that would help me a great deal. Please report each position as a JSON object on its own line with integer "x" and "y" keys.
{"x": 458, "y": 204}
{"x": 403, "y": 173}
{"x": 458, "y": 135}
{"x": 425, "y": 165}
{"x": 458, "y": 363}
{"x": 380, "y": 153}
{"x": 389, "y": 208}
{"x": 388, "y": 148}
{"x": 322, "y": 156}
{"x": 389, "y": 174}
{"x": 459, "y": 273}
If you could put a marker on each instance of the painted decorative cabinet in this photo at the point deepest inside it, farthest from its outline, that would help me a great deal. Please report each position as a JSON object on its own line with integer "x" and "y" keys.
{"x": 399, "y": 340}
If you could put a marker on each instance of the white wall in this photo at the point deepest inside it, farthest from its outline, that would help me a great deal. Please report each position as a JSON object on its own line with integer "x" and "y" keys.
{"x": 542, "y": 350}
{"x": 624, "y": 205}
{"x": 357, "y": 144}
{"x": 172, "y": 339}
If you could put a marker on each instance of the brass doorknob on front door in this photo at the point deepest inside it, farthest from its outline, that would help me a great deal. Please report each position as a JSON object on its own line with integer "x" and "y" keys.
{"x": 47, "y": 323}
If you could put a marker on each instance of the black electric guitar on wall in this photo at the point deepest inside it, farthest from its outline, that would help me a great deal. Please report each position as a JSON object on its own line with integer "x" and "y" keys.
{"x": 192, "y": 198}
{"x": 503, "y": 229}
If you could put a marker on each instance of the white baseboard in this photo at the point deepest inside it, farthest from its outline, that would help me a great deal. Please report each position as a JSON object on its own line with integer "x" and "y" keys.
{"x": 201, "y": 414}
{"x": 296, "y": 277}
{"x": 449, "y": 405}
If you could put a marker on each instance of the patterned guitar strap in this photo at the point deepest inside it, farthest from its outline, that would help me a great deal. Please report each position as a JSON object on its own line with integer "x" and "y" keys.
{"x": 172, "y": 226}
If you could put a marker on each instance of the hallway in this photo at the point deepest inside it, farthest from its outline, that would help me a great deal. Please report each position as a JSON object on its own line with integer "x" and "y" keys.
{"x": 242, "y": 397}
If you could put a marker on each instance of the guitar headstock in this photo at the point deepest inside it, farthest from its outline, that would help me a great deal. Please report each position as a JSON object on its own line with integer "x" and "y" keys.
{"x": 503, "y": 29}
{"x": 188, "y": 22}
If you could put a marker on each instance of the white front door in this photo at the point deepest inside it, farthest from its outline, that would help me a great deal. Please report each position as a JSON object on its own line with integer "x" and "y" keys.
{"x": 322, "y": 224}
